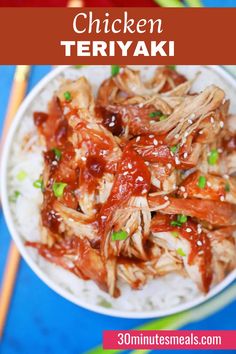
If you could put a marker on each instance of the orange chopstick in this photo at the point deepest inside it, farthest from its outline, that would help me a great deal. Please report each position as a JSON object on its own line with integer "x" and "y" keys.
{"x": 17, "y": 95}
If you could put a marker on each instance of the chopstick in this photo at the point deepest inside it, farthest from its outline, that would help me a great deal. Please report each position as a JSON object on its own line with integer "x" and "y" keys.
{"x": 17, "y": 94}
{"x": 13, "y": 257}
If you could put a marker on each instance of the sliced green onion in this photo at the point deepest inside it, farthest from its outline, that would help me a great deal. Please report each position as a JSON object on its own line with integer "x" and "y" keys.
{"x": 58, "y": 188}
{"x": 227, "y": 187}
{"x": 182, "y": 218}
{"x": 174, "y": 148}
{"x": 163, "y": 117}
{"x": 57, "y": 153}
{"x": 21, "y": 175}
{"x": 104, "y": 303}
{"x": 175, "y": 223}
{"x": 119, "y": 235}
{"x": 67, "y": 96}
{"x": 175, "y": 233}
{"x": 213, "y": 157}
{"x": 14, "y": 196}
{"x": 201, "y": 182}
{"x": 115, "y": 69}
{"x": 38, "y": 184}
{"x": 155, "y": 114}
{"x": 172, "y": 67}
{"x": 180, "y": 252}
{"x": 78, "y": 66}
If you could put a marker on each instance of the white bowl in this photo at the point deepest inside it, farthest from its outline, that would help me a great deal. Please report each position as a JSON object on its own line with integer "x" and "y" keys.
{"x": 210, "y": 74}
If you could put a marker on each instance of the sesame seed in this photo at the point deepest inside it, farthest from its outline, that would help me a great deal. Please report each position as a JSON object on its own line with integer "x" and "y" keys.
{"x": 144, "y": 191}
{"x": 221, "y": 124}
{"x": 226, "y": 176}
{"x": 190, "y": 121}
{"x": 177, "y": 161}
{"x": 103, "y": 217}
{"x": 183, "y": 189}
{"x": 208, "y": 184}
{"x": 128, "y": 230}
{"x": 222, "y": 198}
{"x": 138, "y": 139}
{"x": 66, "y": 110}
{"x": 155, "y": 142}
{"x": 83, "y": 158}
{"x": 212, "y": 120}
{"x": 147, "y": 163}
{"x": 54, "y": 163}
{"x": 169, "y": 166}
{"x": 113, "y": 118}
{"x": 193, "y": 115}
{"x": 140, "y": 178}
{"x": 200, "y": 252}
{"x": 185, "y": 195}
{"x": 185, "y": 155}
{"x": 199, "y": 243}
{"x": 166, "y": 197}
{"x": 176, "y": 136}
{"x": 220, "y": 150}
{"x": 125, "y": 173}
{"x": 151, "y": 136}
{"x": 70, "y": 219}
{"x": 201, "y": 132}
{"x": 188, "y": 229}
{"x": 111, "y": 124}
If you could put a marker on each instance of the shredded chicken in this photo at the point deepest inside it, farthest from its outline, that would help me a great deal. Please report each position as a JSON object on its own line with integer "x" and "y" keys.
{"x": 139, "y": 181}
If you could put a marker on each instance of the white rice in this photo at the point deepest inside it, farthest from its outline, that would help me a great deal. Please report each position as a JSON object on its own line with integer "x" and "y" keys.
{"x": 160, "y": 294}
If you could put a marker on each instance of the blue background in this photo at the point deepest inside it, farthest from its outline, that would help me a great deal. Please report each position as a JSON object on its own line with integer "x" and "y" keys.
{"x": 40, "y": 321}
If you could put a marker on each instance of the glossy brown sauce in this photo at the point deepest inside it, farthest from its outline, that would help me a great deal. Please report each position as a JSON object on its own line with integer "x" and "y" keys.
{"x": 111, "y": 121}
{"x": 230, "y": 144}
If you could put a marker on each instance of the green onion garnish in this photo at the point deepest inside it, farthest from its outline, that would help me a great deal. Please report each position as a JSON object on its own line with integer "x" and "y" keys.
{"x": 119, "y": 235}
{"x": 175, "y": 223}
{"x": 181, "y": 252}
{"x": 213, "y": 157}
{"x": 38, "y": 184}
{"x": 182, "y": 218}
{"x": 115, "y": 69}
{"x": 163, "y": 117}
{"x": 227, "y": 187}
{"x": 58, "y": 188}
{"x": 21, "y": 175}
{"x": 201, "y": 182}
{"x": 155, "y": 114}
{"x": 175, "y": 233}
{"x": 67, "y": 96}
{"x": 174, "y": 148}
{"x": 171, "y": 67}
{"x": 105, "y": 303}
{"x": 57, "y": 153}
{"x": 14, "y": 196}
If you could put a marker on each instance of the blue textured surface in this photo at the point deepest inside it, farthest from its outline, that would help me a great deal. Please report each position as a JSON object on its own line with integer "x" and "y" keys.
{"x": 39, "y": 320}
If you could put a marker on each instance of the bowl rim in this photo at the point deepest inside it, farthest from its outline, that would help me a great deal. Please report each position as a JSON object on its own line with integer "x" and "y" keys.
{"x": 36, "y": 268}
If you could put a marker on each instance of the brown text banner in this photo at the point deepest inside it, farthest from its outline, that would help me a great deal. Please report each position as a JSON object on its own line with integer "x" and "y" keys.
{"x": 117, "y": 36}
